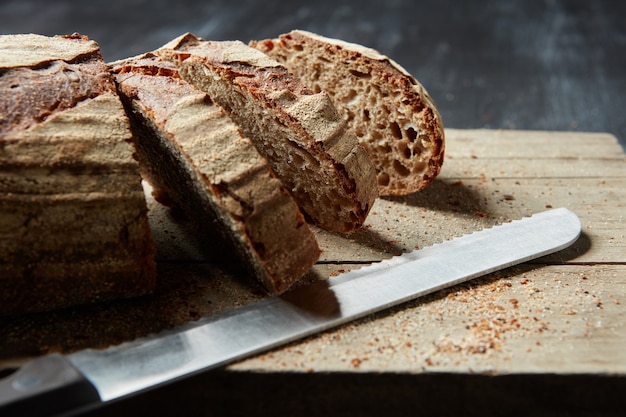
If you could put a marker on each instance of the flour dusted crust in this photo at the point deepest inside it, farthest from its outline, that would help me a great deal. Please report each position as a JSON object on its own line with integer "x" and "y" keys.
{"x": 391, "y": 113}
{"x": 191, "y": 150}
{"x": 298, "y": 131}
{"x": 73, "y": 217}
{"x": 30, "y": 50}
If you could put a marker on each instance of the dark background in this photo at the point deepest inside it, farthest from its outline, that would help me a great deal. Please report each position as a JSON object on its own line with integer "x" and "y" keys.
{"x": 529, "y": 65}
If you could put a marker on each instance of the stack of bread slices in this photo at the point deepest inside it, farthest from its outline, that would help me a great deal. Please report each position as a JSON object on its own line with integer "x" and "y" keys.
{"x": 253, "y": 142}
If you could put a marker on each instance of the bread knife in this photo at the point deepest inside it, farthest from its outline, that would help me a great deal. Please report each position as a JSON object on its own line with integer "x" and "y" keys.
{"x": 58, "y": 384}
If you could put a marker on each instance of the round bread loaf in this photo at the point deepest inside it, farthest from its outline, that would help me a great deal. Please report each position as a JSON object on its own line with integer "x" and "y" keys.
{"x": 299, "y": 132}
{"x": 389, "y": 110}
{"x": 190, "y": 150}
{"x": 73, "y": 215}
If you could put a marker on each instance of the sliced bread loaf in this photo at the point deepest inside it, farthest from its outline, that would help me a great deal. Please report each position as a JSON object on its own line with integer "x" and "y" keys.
{"x": 298, "y": 131}
{"x": 190, "y": 149}
{"x": 73, "y": 216}
{"x": 391, "y": 113}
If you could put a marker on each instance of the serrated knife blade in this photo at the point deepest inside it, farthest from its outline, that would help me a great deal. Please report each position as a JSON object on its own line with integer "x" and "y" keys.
{"x": 65, "y": 383}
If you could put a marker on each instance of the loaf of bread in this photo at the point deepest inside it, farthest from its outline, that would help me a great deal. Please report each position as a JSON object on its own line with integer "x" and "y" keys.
{"x": 73, "y": 216}
{"x": 299, "y": 132}
{"x": 391, "y": 113}
{"x": 190, "y": 150}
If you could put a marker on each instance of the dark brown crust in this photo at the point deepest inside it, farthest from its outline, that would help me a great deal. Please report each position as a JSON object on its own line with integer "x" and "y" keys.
{"x": 260, "y": 82}
{"x": 51, "y": 275}
{"x": 234, "y": 220}
{"x": 74, "y": 226}
{"x": 267, "y": 78}
{"x": 30, "y": 95}
{"x": 272, "y": 86}
{"x": 149, "y": 89}
{"x": 155, "y": 75}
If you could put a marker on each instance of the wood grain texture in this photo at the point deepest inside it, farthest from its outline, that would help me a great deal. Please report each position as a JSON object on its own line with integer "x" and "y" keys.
{"x": 544, "y": 335}
{"x": 560, "y": 314}
{"x": 473, "y": 192}
{"x": 544, "y": 338}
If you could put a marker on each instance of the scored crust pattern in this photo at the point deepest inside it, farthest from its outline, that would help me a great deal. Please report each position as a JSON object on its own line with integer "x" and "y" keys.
{"x": 73, "y": 217}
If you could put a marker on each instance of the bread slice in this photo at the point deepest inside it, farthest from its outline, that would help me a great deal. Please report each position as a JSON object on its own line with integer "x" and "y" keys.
{"x": 73, "y": 215}
{"x": 299, "y": 132}
{"x": 392, "y": 114}
{"x": 191, "y": 150}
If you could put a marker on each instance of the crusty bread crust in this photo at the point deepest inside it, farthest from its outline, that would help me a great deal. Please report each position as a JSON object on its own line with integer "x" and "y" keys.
{"x": 392, "y": 114}
{"x": 190, "y": 149}
{"x": 73, "y": 216}
{"x": 299, "y": 132}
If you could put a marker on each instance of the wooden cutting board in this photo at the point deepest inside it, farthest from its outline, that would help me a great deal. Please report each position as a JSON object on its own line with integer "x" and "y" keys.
{"x": 561, "y": 314}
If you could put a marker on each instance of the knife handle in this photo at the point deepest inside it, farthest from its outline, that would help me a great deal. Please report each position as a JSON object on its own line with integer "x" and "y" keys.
{"x": 45, "y": 386}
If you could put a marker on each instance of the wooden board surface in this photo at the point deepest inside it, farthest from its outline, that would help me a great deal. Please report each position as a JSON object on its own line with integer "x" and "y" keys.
{"x": 560, "y": 314}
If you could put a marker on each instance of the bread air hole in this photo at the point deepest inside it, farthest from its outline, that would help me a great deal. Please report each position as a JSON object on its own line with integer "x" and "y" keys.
{"x": 420, "y": 167}
{"x": 376, "y": 138}
{"x": 404, "y": 149}
{"x": 349, "y": 115}
{"x": 395, "y": 130}
{"x": 360, "y": 74}
{"x": 297, "y": 160}
{"x": 401, "y": 169}
{"x": 383, "y": 179}
{"x": 315, "y": 75}
{"x": 411, "y": 134}
{"x": 349, "y": 97}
